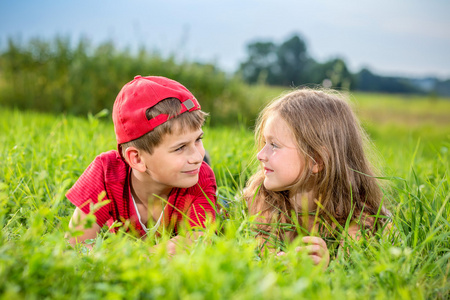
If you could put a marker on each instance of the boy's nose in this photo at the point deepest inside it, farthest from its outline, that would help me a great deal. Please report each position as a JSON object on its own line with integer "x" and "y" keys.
{"x": 197, "y": 155}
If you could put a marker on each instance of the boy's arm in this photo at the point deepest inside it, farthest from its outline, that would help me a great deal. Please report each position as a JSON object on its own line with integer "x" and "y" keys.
{"x": 77, "y": 223}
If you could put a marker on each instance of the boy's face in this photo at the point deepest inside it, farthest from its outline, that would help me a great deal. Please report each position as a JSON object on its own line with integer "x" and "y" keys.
{"x": 176, "y": 161}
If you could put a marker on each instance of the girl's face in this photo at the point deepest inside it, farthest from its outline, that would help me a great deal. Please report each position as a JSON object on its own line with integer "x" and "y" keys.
{"x": 280, "y": 155}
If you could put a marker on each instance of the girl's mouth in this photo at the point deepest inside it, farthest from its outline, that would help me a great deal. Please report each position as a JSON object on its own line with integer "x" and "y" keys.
{"x": 267, "y": 171}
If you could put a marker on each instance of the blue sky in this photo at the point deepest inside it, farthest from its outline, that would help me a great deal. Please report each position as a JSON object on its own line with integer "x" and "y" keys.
{"x": 391, "y": 37}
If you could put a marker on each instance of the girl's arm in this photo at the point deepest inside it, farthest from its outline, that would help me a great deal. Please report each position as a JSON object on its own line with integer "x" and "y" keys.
{"x": 78, "y": 222}
{"x": 355, "y": 231}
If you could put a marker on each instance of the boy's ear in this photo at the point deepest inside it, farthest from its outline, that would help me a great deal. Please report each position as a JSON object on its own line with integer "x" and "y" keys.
{"x": 134, "y": 159}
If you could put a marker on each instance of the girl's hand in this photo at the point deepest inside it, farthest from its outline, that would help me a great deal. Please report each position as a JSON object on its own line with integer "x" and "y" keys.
{"x": 317, "y": 249}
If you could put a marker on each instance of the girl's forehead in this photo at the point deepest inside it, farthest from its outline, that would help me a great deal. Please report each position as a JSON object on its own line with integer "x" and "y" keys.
{"x": 277, "y": 128}
{"x": 275, "y": 123}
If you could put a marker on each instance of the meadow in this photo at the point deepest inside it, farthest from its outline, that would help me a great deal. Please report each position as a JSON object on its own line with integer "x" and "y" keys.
{"x": 41, "y": 156}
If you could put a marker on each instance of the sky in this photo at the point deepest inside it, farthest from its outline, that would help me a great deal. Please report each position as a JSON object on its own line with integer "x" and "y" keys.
{"x": 390, "y": 37}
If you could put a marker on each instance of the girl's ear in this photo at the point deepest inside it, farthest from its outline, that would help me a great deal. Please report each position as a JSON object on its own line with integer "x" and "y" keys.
{"x": 316, "y": 164}
{"x": 134, "y": 159}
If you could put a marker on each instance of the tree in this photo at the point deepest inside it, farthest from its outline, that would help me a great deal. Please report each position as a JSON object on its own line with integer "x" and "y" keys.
{"x": 369, "y": 82}
{"x": 292, "y": 62}
{"x": 260, "y": 63}
{"x": 289, "y": 64}
{"x": 335, "y": 72}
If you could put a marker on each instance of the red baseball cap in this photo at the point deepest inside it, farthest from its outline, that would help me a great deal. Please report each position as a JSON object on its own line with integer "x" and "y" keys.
{"x": 138, "y": 95}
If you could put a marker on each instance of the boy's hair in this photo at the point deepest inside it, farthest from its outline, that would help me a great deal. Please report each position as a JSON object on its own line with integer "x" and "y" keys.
{"x": 146, "y": 108}
{"x": 328, "y": 133}
{"x": 171, "y": 106}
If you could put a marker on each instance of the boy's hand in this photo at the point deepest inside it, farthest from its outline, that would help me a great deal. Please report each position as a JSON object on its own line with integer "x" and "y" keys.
{"x": 78, "y": 223}
{"x": 178, "y": 243}
{"x": 316, "y": 248}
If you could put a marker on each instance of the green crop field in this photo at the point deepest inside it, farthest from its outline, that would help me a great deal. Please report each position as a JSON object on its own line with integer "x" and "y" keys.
{"x": 42, "y": 155}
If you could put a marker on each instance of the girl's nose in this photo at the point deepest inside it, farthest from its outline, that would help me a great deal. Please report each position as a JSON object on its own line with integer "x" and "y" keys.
{"x": 261, "y": 156}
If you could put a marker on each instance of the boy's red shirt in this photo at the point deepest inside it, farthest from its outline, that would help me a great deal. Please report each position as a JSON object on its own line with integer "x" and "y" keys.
{"x": 111, "y": 174}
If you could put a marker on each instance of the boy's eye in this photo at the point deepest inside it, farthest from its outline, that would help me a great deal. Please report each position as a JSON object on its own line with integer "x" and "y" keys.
{"x": 180, "y": 148}
{"x": 199, "y": 139}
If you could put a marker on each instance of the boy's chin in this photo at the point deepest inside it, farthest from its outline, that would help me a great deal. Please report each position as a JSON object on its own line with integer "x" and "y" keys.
{"x": 185, "y": 184}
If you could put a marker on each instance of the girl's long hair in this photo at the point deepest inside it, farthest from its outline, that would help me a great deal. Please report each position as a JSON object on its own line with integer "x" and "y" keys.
{"x": 328, "y": 133}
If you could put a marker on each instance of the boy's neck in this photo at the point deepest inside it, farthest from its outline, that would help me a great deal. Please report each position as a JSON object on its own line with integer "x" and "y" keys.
{"x": 146, "y": 191}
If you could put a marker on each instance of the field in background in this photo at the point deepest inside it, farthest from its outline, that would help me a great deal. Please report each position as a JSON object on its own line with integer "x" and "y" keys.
{"x": 42, "y": 155}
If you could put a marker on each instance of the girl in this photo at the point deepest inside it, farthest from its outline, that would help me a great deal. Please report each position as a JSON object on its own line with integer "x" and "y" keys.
{"x": 312, "y": 164}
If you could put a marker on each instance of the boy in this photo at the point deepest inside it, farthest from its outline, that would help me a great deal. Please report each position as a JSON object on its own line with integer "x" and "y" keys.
{"x": 158, "y": 174}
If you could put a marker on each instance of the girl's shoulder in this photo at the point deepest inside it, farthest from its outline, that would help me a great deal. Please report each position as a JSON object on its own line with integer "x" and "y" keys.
{"x": 359, "y": 225}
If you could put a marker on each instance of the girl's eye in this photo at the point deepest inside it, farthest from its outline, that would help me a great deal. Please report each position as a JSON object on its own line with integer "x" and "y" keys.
{"x": 273, "y": 145}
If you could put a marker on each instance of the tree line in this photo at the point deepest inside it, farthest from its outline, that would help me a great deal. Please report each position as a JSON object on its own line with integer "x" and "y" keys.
{"x": 60, "y": 76}
{"x": 290, "y": 64}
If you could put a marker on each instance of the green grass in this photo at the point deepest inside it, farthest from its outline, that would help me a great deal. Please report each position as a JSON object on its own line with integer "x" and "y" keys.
{"x": 42, "y": 155}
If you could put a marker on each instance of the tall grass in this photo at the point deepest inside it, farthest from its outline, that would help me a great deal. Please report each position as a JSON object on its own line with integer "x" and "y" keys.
{"x": 59, "y": 76}
{"x": 41, "y": 156}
